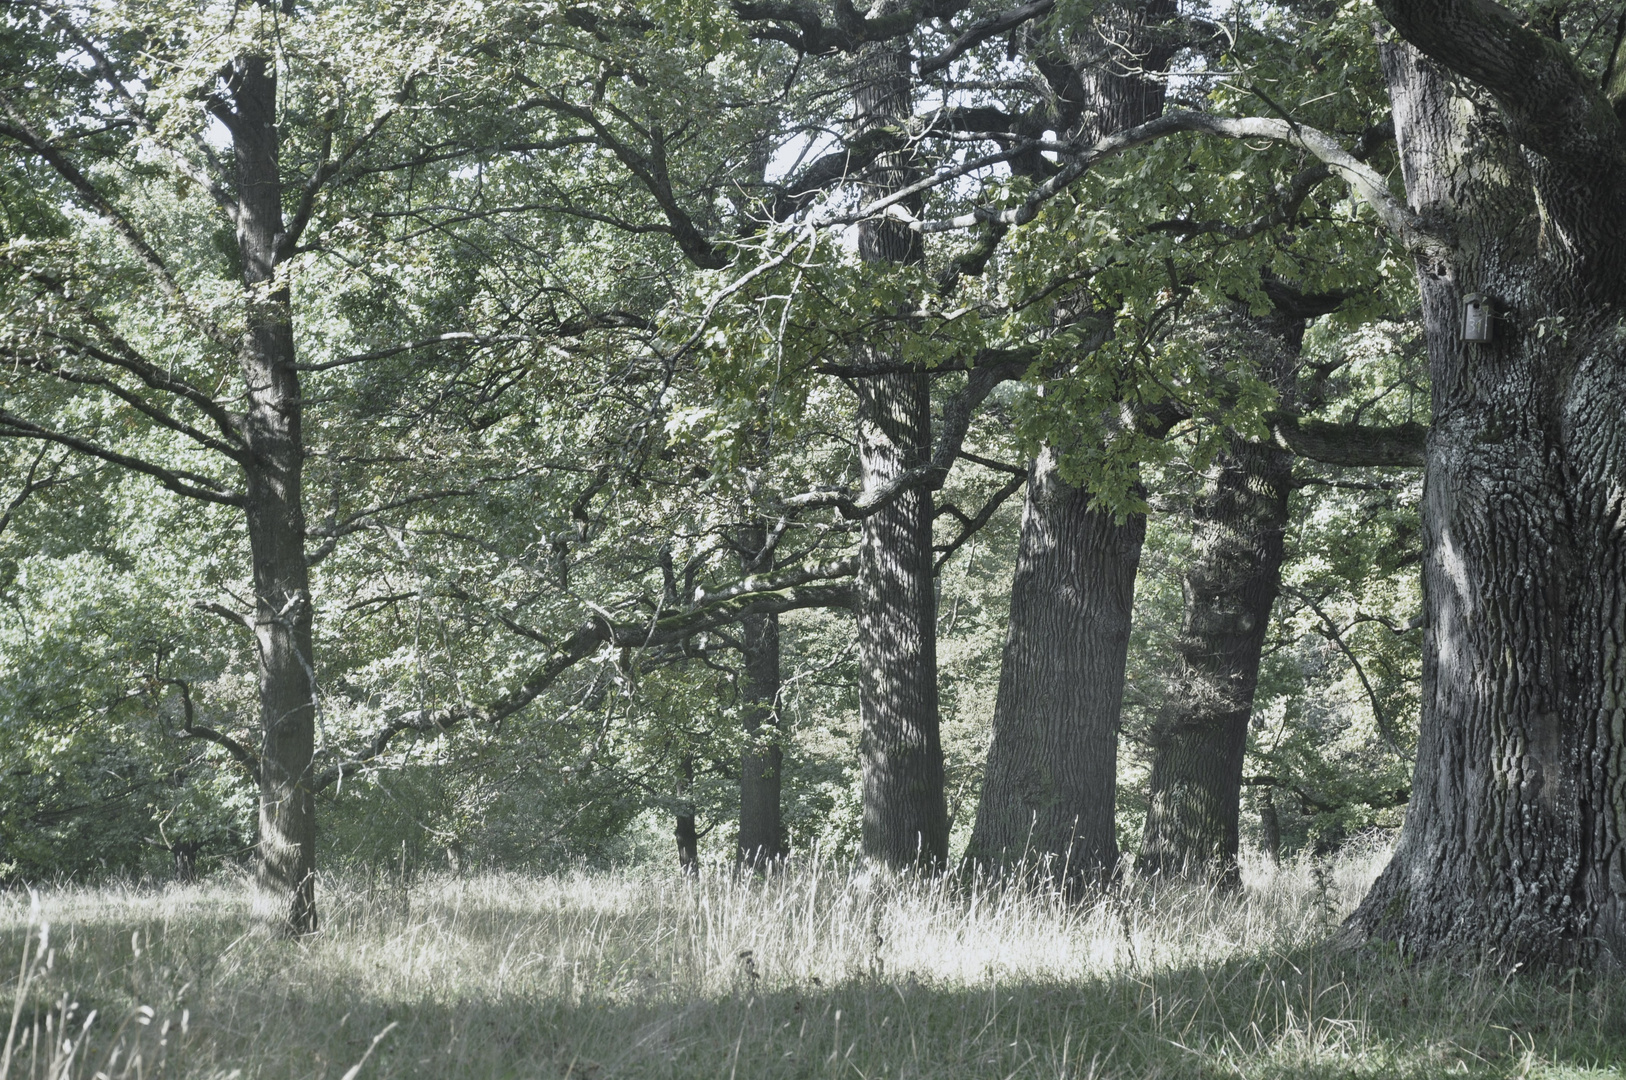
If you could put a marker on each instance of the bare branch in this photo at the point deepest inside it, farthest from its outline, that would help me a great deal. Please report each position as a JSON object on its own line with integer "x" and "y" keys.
{"x": 982, "y": 30}
{"x": 236, "y": 618}
{"x": 192, "y": 730}
{"x": 971, "y": 526}
{"x": 193, "y": 485}
{"x": 1336, "y": 636}
{"x": 1399, "y": 219}
{"x": 1354, "y": 445}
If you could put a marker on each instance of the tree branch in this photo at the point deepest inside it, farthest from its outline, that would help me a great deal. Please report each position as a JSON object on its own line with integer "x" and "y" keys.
{"x": 651, "y": 172}
{"x": 970, "y": 527}
{"x": 585, "y": 641}
{"x": 1405, "y": 225}
{"x": 236, "y": 618}
{"x": 30, "y": 486}
{"x": 1320, "y": 803}
{"x": 192, "y": 730}
{"x": 931, "y": 476}
{"x": 190, "y": 484}
{"x": 982, "y": 30}
{"x": 19, "y": 131}
{"x": 850, "y": 31}
{"x": 1352, "y": 445}
{"x": 1334, "y": 635}
{"x": 157, "y": 415}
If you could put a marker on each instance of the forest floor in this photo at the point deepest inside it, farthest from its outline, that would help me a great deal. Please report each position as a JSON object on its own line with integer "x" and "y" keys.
{"x": 812, "y": 973}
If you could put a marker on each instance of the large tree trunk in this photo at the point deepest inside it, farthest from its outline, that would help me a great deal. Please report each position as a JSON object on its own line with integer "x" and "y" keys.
{"x": 1199, "y": 741}
{"x": 1048, "y": 793}
{"x": 276, "y": 519}
{"x": 1514, "y": 834}
{"x": 905, "y": 811}
{"x": 1238, "y": 528}
{"x": 1050, "y": 786}
{"x": 762, "y": 839}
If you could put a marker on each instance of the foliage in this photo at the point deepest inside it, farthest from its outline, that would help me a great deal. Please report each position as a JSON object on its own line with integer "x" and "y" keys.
{"x": 563, "y": 345}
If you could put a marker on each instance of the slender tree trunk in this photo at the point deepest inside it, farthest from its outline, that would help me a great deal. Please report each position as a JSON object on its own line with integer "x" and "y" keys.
{"x": 1270, "y": 824}
{"x": 905, "y": 811}
{"x": 1051, "y": 779}
{"x": 688, "y": 838}
{"x": 276, "y": 518}
{"x": 762, "y": 839}
{"x": 1196, "y": 784}
{"x": 1050, "y": 786}
{"x": 1515, "y": 836}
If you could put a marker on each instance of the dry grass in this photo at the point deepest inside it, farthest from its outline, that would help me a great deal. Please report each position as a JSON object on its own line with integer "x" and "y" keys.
{"x": 813, "y": 973}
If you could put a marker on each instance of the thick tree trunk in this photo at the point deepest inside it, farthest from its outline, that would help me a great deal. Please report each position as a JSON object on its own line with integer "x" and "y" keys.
{"x": 1199, "y": 741}
{"x": 1513, "y": 838}
{"x": 762, "y": 839}
{"x": 1050, "y": 786}
{"x": 905, "y": 811}
{"x": 276, "y": 518}
{"x": 1048, "y": 793}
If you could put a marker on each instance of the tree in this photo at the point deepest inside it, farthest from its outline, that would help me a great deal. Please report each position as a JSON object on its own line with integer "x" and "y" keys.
{"x": 1049, "y": 791}
{"x": 85, "y": 344}
{"x": 761, "y": 838}
{"x": 1238, "y": 526}
{"x": 1513, "y": 156}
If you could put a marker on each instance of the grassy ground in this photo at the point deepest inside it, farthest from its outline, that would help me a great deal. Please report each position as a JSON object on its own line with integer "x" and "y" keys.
{"x": 814, "y": 973}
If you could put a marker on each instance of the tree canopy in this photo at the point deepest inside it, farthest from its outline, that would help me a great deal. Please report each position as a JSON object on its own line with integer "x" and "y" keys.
{"x": 510, "y": 432}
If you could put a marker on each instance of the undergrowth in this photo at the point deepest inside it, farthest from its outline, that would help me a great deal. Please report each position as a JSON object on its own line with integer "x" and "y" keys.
{"x": 814, "y": 972}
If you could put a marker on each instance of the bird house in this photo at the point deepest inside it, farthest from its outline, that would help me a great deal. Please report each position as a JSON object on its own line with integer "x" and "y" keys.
{"x": 1476, "y": 317}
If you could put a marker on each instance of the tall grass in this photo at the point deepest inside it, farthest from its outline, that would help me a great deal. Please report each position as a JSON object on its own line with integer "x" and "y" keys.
{"x": 815, "y": 972}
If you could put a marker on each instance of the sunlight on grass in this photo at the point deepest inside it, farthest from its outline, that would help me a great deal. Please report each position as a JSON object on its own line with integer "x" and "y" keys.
{"x": 816, "y": 972}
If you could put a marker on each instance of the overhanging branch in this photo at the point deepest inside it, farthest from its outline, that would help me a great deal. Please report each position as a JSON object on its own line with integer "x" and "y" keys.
{"x": 1353, "y": 445}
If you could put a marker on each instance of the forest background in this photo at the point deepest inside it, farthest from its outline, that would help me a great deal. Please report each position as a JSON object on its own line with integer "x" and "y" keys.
{"x": 635, "y": 524}
{"x": 509, "y": 435}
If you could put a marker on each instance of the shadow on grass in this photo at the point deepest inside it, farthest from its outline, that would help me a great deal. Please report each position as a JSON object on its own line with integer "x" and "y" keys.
{"x": 495, "y": 995}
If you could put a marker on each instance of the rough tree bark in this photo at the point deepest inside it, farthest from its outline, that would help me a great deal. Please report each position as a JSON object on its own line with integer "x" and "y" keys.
{"x": 276, "y": 519}
{"x": 905, "y": 811}
{"x": 761, "y": 840}
{"x": 1238, "y": 529}
{"x": 683, "y": 824}
{"x": 1513, "y": 839}
{"x": 1051, "y": 780}
{"x": 1195, "y": 793}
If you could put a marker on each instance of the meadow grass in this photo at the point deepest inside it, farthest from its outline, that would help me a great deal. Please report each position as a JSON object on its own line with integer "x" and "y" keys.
{"x": 813, "y": 972}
